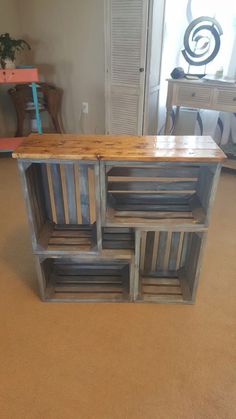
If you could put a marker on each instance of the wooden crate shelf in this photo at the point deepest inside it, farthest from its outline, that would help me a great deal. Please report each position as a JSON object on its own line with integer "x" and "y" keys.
{"x": 118, "y": 218}
{"x": 169, "y": 265}
{"x": 171, "y": 194}
{"x": 74, "y": 280}
{"x": 63, "y": 208}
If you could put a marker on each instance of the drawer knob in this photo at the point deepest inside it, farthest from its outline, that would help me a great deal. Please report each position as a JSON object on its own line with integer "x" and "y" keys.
{"x": 234, "y": 99}
{"x": 193, "y": 94}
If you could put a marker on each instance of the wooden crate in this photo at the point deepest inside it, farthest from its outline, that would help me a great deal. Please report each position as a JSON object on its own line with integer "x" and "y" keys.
{"x": 66, "y": 279}
{"x": 63, "y": 207}
{"x": 168, "y": 265}
{"x": 170, "y": 193}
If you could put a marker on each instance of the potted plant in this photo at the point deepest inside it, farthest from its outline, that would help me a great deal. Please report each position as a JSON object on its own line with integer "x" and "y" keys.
{"x": 9, "y": 48}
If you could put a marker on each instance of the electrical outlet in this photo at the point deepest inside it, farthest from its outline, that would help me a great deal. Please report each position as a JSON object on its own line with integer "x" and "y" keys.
{"x": 85, "y": 107}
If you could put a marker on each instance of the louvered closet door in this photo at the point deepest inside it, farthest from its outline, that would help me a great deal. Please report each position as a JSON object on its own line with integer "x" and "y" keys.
{"x": 126, "y": 38}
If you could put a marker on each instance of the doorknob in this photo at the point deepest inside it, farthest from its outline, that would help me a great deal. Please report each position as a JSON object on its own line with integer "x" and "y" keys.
{"x": 141, "y": 70}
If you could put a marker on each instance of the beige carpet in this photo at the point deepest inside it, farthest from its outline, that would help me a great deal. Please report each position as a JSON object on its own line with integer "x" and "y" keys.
{"x": 110, "y": 361}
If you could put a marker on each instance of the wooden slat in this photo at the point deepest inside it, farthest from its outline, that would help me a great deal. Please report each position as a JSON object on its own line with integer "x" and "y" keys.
{"x": 77, "y": 193}
{"x": 46, "y": 191}
{"x": 87, "y": 279}
{"x": 71, "y": 233}
{"x": 151, "y": 207}
{"x": 89, "y": 288}
{"x": 146, "y": 179}
{"x": 160, "y": 281}
{"x": 118, "y": 244}
{"x": 36, "y": 201}
{"x": 192, "y": 261}
{"x": 143, "y": 250}
{"x": 57, "y": 192}
{"x": 121, "y": 230}
{"x": 88, "y": 297}
{"x": 174, "y": 250}
{"x": 72, "y": 227}
{"x": 149, "y": 251}
{"x": 69, "y": 240}
{"x": 84, "y": 199}
{"x": 39, "y": 193}
{"x": 27, "y": 195}
{"x": 91, "y": 193}
{"x": 71, "y": 195}
{"x": 163, "y": 298}
{"x": 186, "y": 242}
{"x": 117, "y": 236}
{"x": 167, "y": 251}
{"x": 152, "y": 186}
{"x": 155, "y": 250}
{"x": 153, "y": 214}
{"x": 161, "y": 289}
{"x": 64, "y": 193}
{"x": 78, "y": 270}
{"x": 58, "y": 249}
{"x": 161, "y": 172}
{"x": 178, "y": 257}
{"x": 161, "y": 250}
{"x": 166, "y": 198}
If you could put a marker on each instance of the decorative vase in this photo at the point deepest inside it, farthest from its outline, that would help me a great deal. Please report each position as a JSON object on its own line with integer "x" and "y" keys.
{"x": 8, "y": 63}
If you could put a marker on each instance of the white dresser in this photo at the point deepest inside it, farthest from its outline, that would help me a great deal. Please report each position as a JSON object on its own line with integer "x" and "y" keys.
{"x": 198, "y": 94}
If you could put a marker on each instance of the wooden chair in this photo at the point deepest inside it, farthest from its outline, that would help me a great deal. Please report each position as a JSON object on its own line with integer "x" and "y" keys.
{"x": 50, "y": 98}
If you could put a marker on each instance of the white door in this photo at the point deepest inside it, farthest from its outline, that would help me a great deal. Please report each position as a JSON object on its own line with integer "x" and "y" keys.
{"x": 126, "y": 23}
{"x": 153, "y": 65}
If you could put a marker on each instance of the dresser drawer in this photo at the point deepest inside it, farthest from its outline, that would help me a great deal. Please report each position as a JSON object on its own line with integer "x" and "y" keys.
{"x": 191, "y": 95}
{"x": 224, "y": 98}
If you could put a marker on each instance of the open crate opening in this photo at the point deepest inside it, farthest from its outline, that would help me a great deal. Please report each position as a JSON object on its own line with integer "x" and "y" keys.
{"x": 118, "y": 238}
{"x": 171, "y": 193}
{"x": 169, "y": 265}
{"x": 63, "y": 206}
{"x": 104, "y": 280}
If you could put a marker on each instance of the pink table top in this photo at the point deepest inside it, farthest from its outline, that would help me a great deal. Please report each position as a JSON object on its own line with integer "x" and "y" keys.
{"x": 10, "y": 144}
{"x": 19, "y": 75}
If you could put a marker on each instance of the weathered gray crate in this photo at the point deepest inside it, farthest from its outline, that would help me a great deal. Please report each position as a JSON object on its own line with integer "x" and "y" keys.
{"x": 164, "y": 193}
{"x": 168, "y": 265}
{"x": 67, "y": 279}
{"x": 64, "y": 206}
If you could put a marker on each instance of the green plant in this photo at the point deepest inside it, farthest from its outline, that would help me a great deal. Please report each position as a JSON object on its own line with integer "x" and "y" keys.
{"x": 9, "y": 47}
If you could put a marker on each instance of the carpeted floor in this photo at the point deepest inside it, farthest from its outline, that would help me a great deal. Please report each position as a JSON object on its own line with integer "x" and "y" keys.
{"x": 110, "y": 361}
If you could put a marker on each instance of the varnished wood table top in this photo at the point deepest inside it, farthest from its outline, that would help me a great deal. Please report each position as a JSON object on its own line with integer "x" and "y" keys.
{"x": 119, "y": 148}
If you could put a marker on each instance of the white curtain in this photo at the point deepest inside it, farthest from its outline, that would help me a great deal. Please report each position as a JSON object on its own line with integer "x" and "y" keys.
{"x": 220, "y": 125}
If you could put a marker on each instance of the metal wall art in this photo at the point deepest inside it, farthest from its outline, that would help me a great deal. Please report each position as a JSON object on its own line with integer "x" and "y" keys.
{"x": 202, "y": 41}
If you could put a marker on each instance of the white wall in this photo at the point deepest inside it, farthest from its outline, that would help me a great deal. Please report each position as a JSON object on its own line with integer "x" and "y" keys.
{"x": 9, "y": 22}
{"x": 67, "y": 39}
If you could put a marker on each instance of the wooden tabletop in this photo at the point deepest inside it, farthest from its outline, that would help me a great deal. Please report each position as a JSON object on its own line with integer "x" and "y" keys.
{"x": 119, "y": 147}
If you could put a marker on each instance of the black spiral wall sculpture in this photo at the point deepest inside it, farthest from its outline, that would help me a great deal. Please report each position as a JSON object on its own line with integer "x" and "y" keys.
{"x": 202, "y": 40}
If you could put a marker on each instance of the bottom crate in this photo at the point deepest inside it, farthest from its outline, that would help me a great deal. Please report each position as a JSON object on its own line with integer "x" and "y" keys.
{"x": 169, "y": 266}
{"x": 73, "y": 280}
